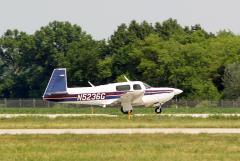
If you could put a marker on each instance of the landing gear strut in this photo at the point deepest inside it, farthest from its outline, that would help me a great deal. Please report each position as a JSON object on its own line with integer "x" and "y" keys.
{"x": 158, "y": 110}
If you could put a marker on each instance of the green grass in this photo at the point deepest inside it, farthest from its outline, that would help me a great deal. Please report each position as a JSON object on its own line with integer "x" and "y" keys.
{"x": 119, "y": 122}
{"x": 116, "y": 110}
{"x": 137, "y": 147}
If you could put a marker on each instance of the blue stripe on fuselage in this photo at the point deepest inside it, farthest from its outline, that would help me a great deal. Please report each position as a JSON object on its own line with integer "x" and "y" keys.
{"x": 116, "y": 96}
{"x": 112, "y": 97}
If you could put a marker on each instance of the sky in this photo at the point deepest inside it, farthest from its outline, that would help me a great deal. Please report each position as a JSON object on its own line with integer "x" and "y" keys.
{"x": 100, "y": 18}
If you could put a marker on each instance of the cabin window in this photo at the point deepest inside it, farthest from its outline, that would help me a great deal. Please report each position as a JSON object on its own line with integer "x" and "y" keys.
{"x": 123, "y": 88}
{"x": 137, "y": 87}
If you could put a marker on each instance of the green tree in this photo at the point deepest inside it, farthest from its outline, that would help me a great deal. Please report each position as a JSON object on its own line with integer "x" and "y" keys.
{"x": 14, "y": 45}
{"x": 61, "y": 44}
{"x": 231, "y": 81}
{"x": 164, "y": 54}
{"x": 27, "y": 60}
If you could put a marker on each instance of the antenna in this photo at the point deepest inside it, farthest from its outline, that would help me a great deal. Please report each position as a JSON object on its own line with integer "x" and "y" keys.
{"x": 91, "y": 84}
{"x": 126, "y": 78}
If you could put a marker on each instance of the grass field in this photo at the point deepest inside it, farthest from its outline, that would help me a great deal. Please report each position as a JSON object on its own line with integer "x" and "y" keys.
{"x": 136, "y": 147}
{"x": 171, "y": 147}
{"x": 111, "y": 110}
{"x": 119, "y": 122}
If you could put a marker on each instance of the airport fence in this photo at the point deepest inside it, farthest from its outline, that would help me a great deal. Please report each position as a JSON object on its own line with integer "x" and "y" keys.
{"x": 39, "y": 103}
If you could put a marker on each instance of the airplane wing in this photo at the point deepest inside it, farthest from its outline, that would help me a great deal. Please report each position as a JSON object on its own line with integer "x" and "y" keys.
{"x": 126, "y": 101}
{"x": 129, "y": 98}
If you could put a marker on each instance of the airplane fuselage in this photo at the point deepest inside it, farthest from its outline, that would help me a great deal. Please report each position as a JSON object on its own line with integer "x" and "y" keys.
{"x": 128, "y": 94}
{"x": 111, "y": 93}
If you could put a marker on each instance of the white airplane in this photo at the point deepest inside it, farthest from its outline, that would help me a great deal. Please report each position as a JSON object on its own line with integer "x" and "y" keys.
{"x": 128, "y": 94}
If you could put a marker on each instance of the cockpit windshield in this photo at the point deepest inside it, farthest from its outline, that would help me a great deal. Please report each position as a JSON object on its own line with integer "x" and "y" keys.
{"x": 146, "y": 86}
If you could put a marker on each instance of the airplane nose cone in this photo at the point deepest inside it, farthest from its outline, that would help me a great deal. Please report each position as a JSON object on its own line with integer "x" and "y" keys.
{"x": 177, "y": 91}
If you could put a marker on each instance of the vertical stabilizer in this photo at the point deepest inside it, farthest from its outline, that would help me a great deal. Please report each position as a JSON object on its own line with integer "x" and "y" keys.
{"x": 57, "y": 83}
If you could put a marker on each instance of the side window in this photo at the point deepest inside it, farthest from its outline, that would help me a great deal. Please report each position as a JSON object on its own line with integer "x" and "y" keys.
{"x": 123, "y": 88}
{"x": 137, "y": 87}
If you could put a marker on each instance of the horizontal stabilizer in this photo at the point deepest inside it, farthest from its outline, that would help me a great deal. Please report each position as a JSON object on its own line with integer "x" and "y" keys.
{"x": 90, "y": 84}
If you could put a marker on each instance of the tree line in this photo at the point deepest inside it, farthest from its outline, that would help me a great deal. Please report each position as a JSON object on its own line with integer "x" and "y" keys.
{"x": 203, "y": 64}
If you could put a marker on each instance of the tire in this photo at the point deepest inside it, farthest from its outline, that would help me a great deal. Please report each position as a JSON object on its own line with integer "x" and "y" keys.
{"x": 125, "y": 112}
{"x": 158, "y": 110}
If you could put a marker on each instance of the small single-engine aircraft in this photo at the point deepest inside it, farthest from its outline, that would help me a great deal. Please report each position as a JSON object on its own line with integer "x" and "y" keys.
{"x": 128, "y": 94}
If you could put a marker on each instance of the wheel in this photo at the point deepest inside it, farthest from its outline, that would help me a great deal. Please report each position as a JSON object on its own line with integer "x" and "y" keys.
{"x": 125, "y": 112}
{"x": 158, "y": 110}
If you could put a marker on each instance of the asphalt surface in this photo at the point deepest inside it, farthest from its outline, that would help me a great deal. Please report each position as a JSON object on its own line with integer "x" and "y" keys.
{"x": 122, "y": 131}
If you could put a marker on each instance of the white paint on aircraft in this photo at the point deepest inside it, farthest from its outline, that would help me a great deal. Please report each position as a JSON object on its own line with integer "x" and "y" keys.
{"x": 127, "y": 94}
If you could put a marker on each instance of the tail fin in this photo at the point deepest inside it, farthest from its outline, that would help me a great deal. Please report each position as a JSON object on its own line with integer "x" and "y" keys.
{"x": 57, "y": 83}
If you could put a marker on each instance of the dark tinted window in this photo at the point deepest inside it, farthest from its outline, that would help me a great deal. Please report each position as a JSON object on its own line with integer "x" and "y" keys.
{"x": 123, "y": 88}
{"x": 137, "y": 87}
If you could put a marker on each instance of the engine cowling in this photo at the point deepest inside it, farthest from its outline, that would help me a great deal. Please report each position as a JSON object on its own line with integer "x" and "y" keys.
{"x": 149, "y": 100}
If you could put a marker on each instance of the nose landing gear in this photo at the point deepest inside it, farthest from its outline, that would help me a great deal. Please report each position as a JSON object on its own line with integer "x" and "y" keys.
{"x": 158, "y": 109}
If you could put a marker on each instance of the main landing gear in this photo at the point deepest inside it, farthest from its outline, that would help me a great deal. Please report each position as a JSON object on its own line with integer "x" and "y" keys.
{"x": 129, "y": 113}
{"x": 158, "y": 109}
{"x": 125, "y": 112}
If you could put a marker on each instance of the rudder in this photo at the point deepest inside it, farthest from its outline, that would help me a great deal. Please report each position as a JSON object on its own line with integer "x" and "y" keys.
{"x": 57, "y": 83}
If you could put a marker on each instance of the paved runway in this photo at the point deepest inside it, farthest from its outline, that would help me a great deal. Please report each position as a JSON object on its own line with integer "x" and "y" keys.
{"x": 123, "y": 131}
{"x": 108, "y": 115}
